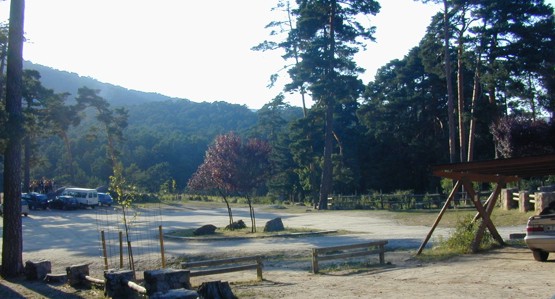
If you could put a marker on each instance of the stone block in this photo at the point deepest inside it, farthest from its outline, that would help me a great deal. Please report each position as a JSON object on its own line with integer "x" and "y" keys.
{"x": 524, "y": 204}
{"x": 166, "y": 279}
{"x": 507, "y": 202}
{"x": 544, "y": 200}
{"x": 76, "y": 275}
{"x": 37, "y": 270}
{"x": 116, "y": 284}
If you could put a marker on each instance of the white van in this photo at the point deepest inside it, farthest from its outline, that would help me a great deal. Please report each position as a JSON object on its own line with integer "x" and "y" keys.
{"x": 85, "y": 197}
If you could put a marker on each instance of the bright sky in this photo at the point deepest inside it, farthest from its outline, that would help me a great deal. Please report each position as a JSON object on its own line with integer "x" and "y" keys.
{"x": 198, "y": 50}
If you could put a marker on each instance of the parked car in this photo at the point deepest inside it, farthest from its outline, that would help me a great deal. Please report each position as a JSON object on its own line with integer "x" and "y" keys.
{"x": 105, "y": 199}
{"x": 85, "y": 197}
{"x": 540, "y": 233}
{"x": 24, "y": 208}
{"x": 36, "y": 200}
{"x": 64, "y": 202}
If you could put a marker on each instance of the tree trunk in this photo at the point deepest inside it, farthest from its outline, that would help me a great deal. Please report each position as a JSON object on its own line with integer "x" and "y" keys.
{"x": 251, "y": 213}
{"x": 3, "y": 54}
{"x": 12, "y": 247}
{"x": 460, "y": 89}
{"x": 450, "y": 95}
{"x": 329, "y": 101}
{"x": 475, "y": 94}
{"x": 229, "y": 213}
{"x": 327, "y": 169}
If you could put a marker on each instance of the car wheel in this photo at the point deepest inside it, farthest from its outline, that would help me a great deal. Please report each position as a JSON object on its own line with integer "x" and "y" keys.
{"x": 540, "y": 255}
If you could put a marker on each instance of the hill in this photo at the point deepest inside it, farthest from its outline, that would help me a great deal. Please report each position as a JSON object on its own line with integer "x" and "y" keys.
{"x": 62, "y": 81}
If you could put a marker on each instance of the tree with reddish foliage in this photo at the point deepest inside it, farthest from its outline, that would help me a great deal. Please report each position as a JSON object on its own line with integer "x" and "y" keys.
{"x": 233, "y": 167}
{"x": 520, "y": 137}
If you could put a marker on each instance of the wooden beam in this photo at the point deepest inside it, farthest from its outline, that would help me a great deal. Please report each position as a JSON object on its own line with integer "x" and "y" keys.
{"x": 485, "y": 217}
{"x": 489, "y": 209}
{"x": 438, "y": 219}
{"x": 523, "y": 166}
{"x": 475, "y": 177}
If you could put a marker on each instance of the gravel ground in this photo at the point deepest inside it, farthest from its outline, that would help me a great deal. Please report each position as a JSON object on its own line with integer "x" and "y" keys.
{"x": 72, "y": 237}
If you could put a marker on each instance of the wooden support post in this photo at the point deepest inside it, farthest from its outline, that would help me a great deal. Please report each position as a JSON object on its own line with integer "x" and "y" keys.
{"x": 489, "y": 209}
{"x": 259, "y": 268}
{"x": 120, "y": 250}
{"x": 315, "y": 268}
{"x": 492, "y": 199}
{"x": 161, "y": 234}
{"x": 104, "y": 253}
{"x": 438, "y": 219}
{"x": 485, "y": 217}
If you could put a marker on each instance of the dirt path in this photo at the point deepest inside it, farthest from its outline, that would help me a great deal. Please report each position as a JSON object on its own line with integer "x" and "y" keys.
{"x": 503, "y": 273}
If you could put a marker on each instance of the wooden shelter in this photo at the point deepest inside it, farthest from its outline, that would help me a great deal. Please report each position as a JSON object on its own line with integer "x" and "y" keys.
{"x": 498, "y": 171}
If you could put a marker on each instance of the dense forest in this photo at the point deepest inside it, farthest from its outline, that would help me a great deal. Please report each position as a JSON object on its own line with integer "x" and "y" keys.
{"x": 363, "y": 137}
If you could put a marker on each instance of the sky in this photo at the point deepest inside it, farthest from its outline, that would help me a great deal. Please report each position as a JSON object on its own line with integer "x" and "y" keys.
{"x": 197, "y": 50}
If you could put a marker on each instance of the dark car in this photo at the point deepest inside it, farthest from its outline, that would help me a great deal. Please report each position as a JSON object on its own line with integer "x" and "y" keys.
{"x": 64, "y": 202}
{"x": 104, "y": 199}
{"x": 37, "y": 201}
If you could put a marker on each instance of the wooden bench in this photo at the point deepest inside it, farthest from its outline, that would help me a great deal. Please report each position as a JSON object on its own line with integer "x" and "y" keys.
{"x": 347, "y": 251}
{"x": 232, "y": 265}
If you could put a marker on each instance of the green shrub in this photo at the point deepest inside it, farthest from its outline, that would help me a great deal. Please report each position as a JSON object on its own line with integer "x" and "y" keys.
{"x": 461, "y": 238}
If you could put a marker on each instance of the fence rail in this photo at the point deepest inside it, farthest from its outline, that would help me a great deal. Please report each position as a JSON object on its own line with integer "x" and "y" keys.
{"x": 347, "y": 251}
{"x": 237, "y": 264}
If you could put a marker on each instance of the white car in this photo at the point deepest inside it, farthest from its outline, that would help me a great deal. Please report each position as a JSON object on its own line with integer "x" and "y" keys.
{"x": 540, "y": 233}
{"x": 85, "y": 197}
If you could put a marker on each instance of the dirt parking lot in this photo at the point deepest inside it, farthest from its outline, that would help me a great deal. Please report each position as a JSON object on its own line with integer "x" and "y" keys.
{"x": 68, "y": 238}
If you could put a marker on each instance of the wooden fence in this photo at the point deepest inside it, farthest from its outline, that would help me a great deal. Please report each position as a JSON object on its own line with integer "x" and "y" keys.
{"x": 237, "y": 264}
{"x": 347, "y": 251}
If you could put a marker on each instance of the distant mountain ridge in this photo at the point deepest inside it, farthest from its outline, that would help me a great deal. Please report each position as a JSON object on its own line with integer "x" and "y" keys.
{"x": 63, "y": 81}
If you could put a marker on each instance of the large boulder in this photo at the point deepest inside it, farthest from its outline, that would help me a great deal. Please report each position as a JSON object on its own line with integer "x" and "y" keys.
{"x": 274, "y": 225}
{"x": 208, "y": 229}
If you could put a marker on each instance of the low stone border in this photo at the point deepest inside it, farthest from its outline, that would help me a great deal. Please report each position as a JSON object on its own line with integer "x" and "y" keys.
{"x": 288, "y": 235}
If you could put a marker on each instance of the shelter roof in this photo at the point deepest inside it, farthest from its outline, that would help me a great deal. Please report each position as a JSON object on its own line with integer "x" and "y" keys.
{"x": 511, "y": 169}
